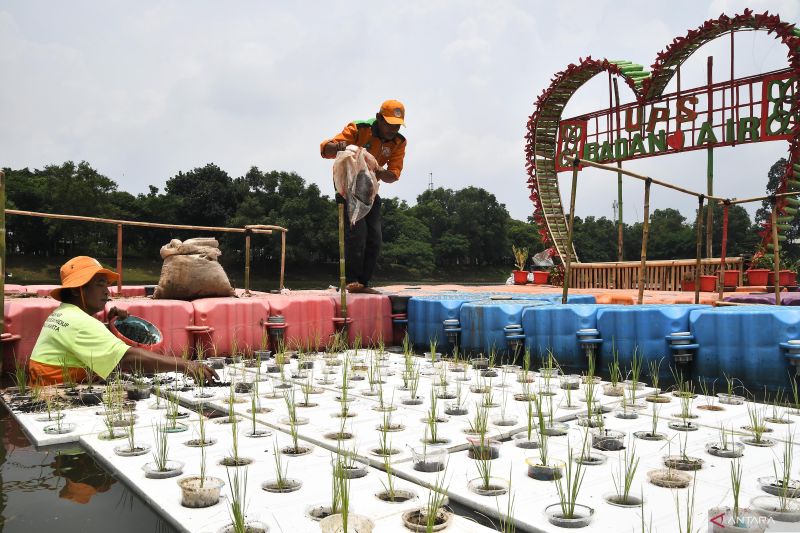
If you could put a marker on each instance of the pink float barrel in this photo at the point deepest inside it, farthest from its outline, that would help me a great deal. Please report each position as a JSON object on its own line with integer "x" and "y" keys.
{"x": 231, "y": 322}
{"x": 369, "y": 317}
{"x": 10, "y": 288}
{"x": 174, "y": 318}
{"x": 128, "y": 291}
{"x": 40, "y": 290}
{"x": 24, "y": 318}
{"x": 308, "y": 318}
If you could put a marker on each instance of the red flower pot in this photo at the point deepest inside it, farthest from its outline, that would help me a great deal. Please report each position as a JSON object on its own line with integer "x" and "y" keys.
{"x": 786, "y": 278}
{"x": 731, "y": 278}
{"x": 708, "y": 283}
{"x": 758, "y": 277}
{"x": 540, "y": 277}
{"x": 687, "y": 285}
{"x": 520, "y": 277}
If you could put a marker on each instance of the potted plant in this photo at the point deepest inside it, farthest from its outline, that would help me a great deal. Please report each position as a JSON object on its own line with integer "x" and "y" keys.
{"x": 758, "y": 273}
{"x": 433, "y": 516}
{"x": 520, "y": 258}
{"x": 732, "y": 519}
{"x": 201, "y": 491}
{"x": 161, "y": 467}
{"x": 541, "y": 277}
{"x": 623, "y": 479}
{"x": 429, "y": 459}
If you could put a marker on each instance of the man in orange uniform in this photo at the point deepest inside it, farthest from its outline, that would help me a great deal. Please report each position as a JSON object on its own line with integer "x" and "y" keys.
{"x": 381, "y": 138}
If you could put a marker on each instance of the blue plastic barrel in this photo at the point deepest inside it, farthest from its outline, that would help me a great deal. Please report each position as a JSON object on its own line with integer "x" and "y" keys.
{"x": 483, "y": 322}
{"x": 641, "y": 328}
{"x": 744, "y": 342}
{"x": 554, "y": 327}
{"x": 427, "y": 313}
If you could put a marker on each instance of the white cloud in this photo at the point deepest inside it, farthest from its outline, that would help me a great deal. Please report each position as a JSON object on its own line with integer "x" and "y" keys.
{"x": 144, "y": 90}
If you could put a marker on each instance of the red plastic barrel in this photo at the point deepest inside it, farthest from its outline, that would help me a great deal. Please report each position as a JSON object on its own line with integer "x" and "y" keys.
{"x": 174, "y": 318}
{"x": 309, "y": 318}
{"x": 233, "y": 322}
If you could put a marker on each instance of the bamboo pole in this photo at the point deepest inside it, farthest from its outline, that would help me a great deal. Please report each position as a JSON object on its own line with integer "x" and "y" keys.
{"x": 760, "y": 198}
{"x": 723, "y": 248}
{"x": 247, "y": 263}
{"x": 645, "y": 231}
{"x": 3, "y": 247}
{"x": 776, "y": 253}
{"x": 699, "y": 250}
{"x": 644, "y": 178}
{"x": 568, "y": 263}
{"x": 342, "y": 278}
{"x": 256, "y": 229}
{"x": 620, "y": 231}
{"x": 119, "y": 259}
{"x": 710, "y": 161}
{"x": 283, "y": 257}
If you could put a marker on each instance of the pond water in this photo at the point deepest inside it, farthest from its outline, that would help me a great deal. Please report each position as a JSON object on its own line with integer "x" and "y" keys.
{"x": 62, "y": 488}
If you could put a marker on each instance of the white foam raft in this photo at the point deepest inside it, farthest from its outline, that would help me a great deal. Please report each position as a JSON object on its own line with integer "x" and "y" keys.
{"x": 287, "y": 512}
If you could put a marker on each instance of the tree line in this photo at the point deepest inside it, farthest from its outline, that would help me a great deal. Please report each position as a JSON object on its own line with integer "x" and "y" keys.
{"x": 444, "y": 228}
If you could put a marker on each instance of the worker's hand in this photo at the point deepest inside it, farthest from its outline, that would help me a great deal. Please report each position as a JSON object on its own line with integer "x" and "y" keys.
{"x": 116, "y": 313}
{"x": 200, "y": 372}
{"x": 385, "y": 176}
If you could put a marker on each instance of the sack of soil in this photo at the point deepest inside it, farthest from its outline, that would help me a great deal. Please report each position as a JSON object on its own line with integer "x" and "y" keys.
{"x": 354, "y": 179}
{"x": 191, "y": 270}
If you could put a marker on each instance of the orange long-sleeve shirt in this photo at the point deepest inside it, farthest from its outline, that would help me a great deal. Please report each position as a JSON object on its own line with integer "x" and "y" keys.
{"x": 361, "y": 133}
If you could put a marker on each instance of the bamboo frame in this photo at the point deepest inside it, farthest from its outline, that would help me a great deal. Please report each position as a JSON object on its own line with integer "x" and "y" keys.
{"x": 568, "y": 264}
{"x": 776, "y": 255}
{"x": 699, "y": 250}
{"x": 247, "y": 230}
{"x": 645, "y": 232}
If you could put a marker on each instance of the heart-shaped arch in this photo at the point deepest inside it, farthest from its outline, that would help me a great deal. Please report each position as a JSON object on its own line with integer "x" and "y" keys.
{"x": 543, "y": 124}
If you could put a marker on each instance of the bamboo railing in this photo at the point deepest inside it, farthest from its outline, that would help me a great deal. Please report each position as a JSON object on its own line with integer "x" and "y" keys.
{"x": 659, "y": 275}
{"x": 247, "y": 230}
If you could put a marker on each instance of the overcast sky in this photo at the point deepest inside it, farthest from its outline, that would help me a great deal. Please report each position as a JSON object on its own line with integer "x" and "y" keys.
{"x": 142, "y": 90}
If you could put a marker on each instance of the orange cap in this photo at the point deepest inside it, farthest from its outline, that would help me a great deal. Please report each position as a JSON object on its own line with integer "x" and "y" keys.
{"x": 78, "y": 271}
{"x": 393, "y": 111}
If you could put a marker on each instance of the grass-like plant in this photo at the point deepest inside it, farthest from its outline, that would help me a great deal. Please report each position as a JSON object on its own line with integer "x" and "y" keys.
{"x": 437, "y": 496}
{"x": 507, "y": 524}
{"x": 569, "y": 485}
{"x": 626, "y": 470}
{"x": 783, "y": 473}
{"x": 341, "y": 489}
{"x": 654, "y": 371}
{"x": 637, "y": 362}
{"x": 384, "y": 442}
{"x": 480, "y": 420}
{"x": 234, "y": 423}
{"x": 707, "y": 391}
{"x": 413, "y": 382}
{"x": 432, "y": 420}
{"x": 281, "y": 469}
{"x": 66, "y": 374}
{"x": 795, "y": 392}
{"x": 238, "y": 503}
{"x": 433, "y": 344}
{"x": 20, "y": 378}
{"x": 724, "y": 438}
{"x": 483, "y": 462}
{"x": 130, "y": 432}
{"x": 758, "y": 425}
{"x": 544, "y": 455}
{"x": 254, "y": 407}
{"x": 160, "y": 446}
{"x": 291, "y": 409}
{"x": 654, "y": 419}
{"x": 685, "y": 520}
{"x": 173, "y": 409}
{"x": 388, "y": 486}
{"x": 730, "y": 384}
{"x": 614, "y": 372}
{"x": 736, "y": 487}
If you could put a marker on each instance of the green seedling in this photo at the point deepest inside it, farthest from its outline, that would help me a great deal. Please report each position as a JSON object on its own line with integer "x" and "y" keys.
{"x": 281, "y": 470}
{"x": 686, "y": 519}
{"x": 736, "y": 487}
{"x": 160, "y": 447}
{"x": 238, "y": 505}
{"x": 626, "y": 470}
{"x": 569, "y": 485}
